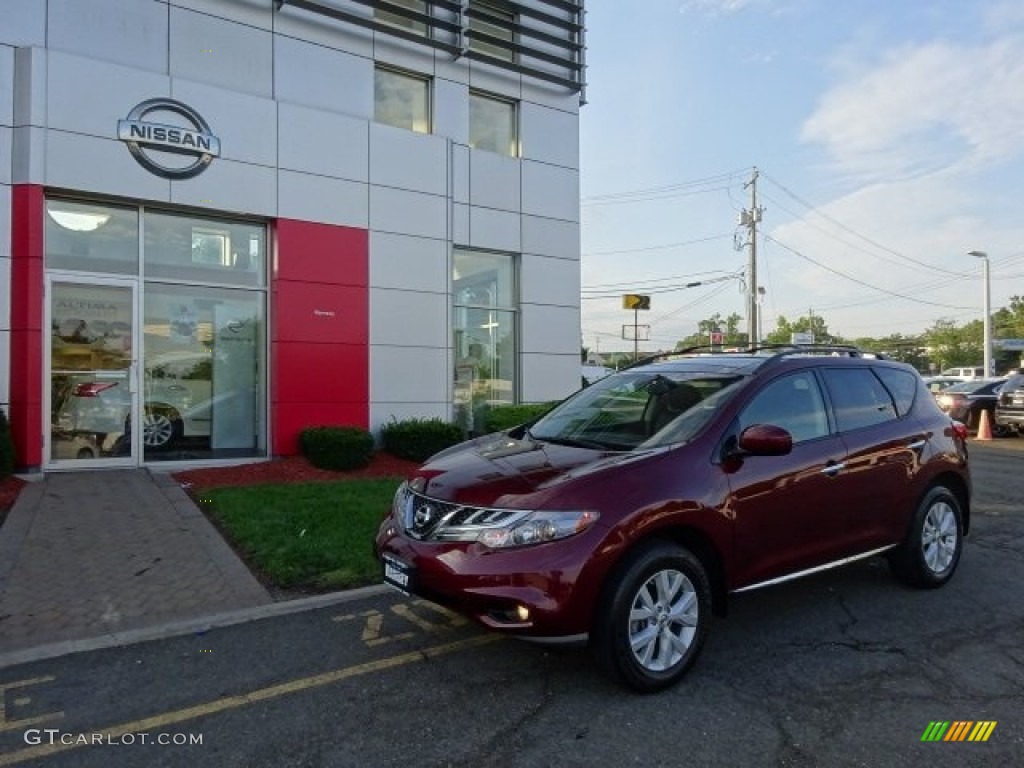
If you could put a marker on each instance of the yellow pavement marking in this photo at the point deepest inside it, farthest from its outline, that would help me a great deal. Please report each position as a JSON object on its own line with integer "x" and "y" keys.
{"x": 262, "y": 694}
{"x": 10, "y": 725}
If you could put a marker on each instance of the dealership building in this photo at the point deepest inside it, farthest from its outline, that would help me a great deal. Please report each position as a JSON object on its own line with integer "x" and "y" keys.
{"x": 224, "y": 221}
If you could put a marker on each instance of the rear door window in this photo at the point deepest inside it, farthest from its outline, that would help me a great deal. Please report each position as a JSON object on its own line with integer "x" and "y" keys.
{"x": 858, "y": 397}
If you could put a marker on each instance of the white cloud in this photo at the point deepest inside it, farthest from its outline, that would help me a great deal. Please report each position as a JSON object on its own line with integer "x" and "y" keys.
{"x": 717, "y": 7}
{"x": 925, "y": 107}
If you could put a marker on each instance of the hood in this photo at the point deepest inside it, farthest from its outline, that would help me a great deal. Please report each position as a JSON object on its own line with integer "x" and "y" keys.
{"x": 494, "y": 469}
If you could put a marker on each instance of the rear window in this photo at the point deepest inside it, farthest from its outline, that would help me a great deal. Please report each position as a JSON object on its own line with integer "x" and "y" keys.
{"x": 1014, "y": 382}
{"x": 902, "y": 385}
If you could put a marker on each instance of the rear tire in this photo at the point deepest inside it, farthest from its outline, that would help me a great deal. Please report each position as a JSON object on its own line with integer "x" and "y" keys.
{"x": 653, "y": 617}
{"x": 929, "y": 554}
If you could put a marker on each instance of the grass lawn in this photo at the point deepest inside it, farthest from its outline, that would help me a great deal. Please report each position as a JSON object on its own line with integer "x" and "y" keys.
{"x": 306, "y": 535}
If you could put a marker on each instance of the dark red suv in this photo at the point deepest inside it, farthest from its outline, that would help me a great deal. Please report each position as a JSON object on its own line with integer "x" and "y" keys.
{"x": 629, "y": 512}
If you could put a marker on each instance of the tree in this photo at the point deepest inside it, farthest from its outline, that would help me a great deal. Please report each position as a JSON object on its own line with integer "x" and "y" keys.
{"x": 729, "y": 327}
{"x": 784, "y": 330}
{"x": 950, "y": 344}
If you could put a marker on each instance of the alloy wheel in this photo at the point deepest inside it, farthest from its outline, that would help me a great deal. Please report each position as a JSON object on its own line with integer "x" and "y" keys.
{"x": 663, "y": 620}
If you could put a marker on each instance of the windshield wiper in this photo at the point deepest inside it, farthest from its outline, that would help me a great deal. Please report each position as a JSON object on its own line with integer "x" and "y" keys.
{"x": 571, "y": 442}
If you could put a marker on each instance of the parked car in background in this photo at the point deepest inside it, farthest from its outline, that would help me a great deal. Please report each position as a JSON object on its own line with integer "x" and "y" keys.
{"x": 967, "y": 400}
{"x": 176, "y": 386}
{"x": 625, "y": 515}
{"x": 966, "y": 373}
{"x": 939, "y": 383}
{"x": 1009, "y": 410}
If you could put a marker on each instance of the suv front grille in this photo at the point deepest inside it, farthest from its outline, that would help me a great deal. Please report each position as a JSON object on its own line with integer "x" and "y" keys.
{"x": 422, "y": 517}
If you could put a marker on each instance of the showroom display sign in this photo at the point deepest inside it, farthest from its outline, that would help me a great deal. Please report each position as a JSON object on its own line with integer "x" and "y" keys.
{"x": 156, "y": 144}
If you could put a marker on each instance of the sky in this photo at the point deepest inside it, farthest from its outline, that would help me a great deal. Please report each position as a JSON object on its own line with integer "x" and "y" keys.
{"x": 889, "y": 141}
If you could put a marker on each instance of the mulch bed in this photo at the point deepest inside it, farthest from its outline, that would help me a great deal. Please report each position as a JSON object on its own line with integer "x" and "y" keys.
{"x": 291, "y": 469}
{"x": 10, "y": 487}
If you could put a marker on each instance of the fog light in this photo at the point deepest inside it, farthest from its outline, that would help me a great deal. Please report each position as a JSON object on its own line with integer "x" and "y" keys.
{"x": 522, "y": 613}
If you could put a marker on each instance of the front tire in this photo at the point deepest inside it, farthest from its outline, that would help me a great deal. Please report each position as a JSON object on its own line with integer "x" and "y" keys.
{"x": 653, "y": 617}
{"x": 929, "y": 555}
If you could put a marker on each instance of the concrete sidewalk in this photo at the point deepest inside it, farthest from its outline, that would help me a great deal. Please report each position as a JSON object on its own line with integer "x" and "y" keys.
{"x": 87, "y": 555}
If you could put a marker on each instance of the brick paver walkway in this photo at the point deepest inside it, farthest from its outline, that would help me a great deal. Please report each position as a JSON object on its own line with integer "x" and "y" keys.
{"x": 88, "y": 554}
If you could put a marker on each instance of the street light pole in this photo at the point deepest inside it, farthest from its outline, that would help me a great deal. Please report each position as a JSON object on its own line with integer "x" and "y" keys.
{"x": 987, "y": 305}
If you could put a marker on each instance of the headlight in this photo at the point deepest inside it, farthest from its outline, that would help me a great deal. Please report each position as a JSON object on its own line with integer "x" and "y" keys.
{"x": 533, "y": 528}
{"x": 399, "y": 501}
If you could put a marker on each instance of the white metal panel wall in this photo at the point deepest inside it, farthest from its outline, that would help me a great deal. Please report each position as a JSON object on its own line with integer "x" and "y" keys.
{"x": 213, "y": 50}
{"x": 290, "y": 95}
{"x": 24, "y": 23}
{"x": 88, "y": 29}
{"x": 316, "y": 76}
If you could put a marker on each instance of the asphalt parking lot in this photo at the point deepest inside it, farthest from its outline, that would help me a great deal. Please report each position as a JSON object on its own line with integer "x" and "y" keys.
{"x": 847, "y": 668}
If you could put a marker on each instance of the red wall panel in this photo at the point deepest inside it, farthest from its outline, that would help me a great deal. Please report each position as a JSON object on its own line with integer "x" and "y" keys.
{"x": 320, "y": 332}
{"x": 321, "y": 253}
{"x": 332, "y": 314}
{"x": 322, "y": 373}
{"x": 26, "y": 382}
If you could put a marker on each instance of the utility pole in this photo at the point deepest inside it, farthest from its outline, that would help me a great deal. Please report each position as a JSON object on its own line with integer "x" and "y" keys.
{"x": 750, "y": 219}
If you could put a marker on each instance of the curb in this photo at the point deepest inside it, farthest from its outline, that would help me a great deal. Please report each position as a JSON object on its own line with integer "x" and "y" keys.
{"x": 188, "y": 626}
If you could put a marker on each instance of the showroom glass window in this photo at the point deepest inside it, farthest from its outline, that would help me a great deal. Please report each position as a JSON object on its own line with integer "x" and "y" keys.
{"x": 494, "y": 21}
{"x": 401, "y": 99}
{"x": 91, "y": 237}
{"x": 485, "y": 332}
{"x": 203, "y": 360}
{"x": 403, "y": 22}
{"x": 493, "y": 124}
{"x": 199, "y": 338}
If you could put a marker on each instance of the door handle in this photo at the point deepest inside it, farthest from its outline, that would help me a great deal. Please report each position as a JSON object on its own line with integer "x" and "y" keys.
{"x": 833, "y": 469}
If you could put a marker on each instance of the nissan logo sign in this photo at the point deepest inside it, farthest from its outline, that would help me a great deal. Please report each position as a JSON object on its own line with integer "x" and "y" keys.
{"x": 147, "y": 140}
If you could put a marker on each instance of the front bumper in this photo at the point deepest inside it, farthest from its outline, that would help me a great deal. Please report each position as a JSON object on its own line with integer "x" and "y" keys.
{"x": 556, "y": 583}
{"x": 1006, "y": 418}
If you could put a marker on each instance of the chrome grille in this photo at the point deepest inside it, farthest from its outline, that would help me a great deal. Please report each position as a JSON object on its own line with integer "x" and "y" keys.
{"x": 423, "y": 517}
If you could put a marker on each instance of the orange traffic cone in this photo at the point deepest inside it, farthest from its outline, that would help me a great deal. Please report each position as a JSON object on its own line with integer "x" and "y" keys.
{"x": 984, "y": 428}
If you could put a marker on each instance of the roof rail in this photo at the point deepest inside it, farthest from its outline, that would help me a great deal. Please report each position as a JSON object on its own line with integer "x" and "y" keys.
{"x": 780, "y": 350}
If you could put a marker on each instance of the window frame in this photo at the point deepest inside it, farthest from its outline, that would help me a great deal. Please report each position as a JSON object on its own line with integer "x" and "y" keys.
{"x": 426, "y": 80}
{"x": 515, "y": 148}
{"x": 508, "y": 264}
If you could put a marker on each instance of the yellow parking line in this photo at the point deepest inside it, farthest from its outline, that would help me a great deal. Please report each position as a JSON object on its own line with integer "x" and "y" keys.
{"x": 261, "y": 694}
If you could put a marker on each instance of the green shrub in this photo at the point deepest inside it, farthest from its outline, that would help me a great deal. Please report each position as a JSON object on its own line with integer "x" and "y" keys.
{"x": 337, "y": 447}
{"x": 419, "y": 439}
{"x": 6, "y": 447}
{"x": 502, "y": 417}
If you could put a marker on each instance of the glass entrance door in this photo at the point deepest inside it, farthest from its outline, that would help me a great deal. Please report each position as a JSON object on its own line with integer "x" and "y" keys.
{"x": 91, "y": 348}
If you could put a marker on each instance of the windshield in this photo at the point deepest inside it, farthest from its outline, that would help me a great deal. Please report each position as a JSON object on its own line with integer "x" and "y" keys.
{"x": 633, "y": 410}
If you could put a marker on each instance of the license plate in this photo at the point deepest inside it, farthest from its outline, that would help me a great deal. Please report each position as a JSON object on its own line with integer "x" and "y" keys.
{"x": 397, "y": 574}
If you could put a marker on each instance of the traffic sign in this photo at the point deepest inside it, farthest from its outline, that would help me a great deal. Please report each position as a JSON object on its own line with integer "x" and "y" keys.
{"x": 1011, "y": 345}
{"x": 636, "y": 301}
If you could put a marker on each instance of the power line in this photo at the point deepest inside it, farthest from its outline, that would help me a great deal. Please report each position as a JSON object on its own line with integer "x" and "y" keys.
{"x": 662, "y": 189}
{"x": 664, "y": 247}
{"x": 855, "y": 233}
{"x": 859, "y": 282}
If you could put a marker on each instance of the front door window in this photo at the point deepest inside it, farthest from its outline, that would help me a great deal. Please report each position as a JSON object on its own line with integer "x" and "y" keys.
{"x": 91, "y": 389}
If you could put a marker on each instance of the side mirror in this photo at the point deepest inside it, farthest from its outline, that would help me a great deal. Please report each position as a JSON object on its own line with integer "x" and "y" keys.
{"x": 765, "y": 440}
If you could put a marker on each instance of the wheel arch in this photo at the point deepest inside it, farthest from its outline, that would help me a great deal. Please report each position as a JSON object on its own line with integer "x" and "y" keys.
{"x": 959, "y": 488}
{"x": 697, "y": 542}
